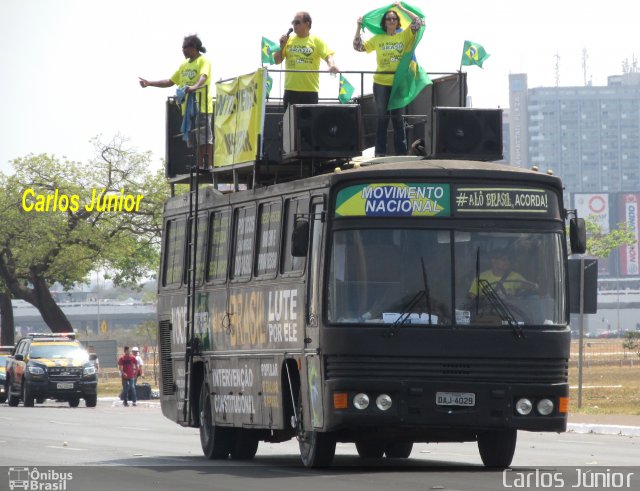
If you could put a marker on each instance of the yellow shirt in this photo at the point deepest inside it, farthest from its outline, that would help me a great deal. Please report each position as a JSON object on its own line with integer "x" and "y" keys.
{"x": 189, "y": 73}
{"x": 389, "y": 51}
{"x": 304, "y": 54}
{"x": 511, "y": 284}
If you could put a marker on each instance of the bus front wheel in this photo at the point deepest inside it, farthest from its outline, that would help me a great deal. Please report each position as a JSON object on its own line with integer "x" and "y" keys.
{"x": 215, "y": 440}
{"x": 398, "y": 450}
{"x": 370, "y": 449}
{"x": 317, "y": 449}
{"x": 497, "y": 447}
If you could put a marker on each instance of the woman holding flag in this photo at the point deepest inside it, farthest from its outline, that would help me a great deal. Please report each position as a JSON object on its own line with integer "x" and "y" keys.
{"x": 390, "y": 43}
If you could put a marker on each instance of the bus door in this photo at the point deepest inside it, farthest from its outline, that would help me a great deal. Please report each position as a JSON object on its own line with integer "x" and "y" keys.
{"x": 312, "y": 311}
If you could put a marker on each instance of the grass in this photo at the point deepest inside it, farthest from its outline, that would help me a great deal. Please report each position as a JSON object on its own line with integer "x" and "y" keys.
{"x": 110, "y": 385}
{"x": 606, "y": 389}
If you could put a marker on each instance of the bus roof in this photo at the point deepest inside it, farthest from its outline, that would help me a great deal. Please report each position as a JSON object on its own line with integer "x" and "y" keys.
{"x": 382, "y": 167}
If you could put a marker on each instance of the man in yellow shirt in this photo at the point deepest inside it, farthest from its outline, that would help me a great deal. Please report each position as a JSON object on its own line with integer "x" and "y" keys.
{"x": 303, "y": 52}
{"x": 501, "y": 278}
{"x": 194, "y": 74}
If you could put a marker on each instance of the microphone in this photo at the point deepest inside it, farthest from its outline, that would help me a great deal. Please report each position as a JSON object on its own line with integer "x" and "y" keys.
{"x": 289, "y": 31}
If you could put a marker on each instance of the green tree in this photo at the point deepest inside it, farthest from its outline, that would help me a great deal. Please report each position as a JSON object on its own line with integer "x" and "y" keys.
{"x": 600, "y": 244}
{"x": 45, "y": 238}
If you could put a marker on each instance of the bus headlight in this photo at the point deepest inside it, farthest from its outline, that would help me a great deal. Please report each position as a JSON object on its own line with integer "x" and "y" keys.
{"x": 545, "y": 407}
{"x": 524, "y": 406}
{"x": 383, "y": 402}
{"x": 361, "y": 401}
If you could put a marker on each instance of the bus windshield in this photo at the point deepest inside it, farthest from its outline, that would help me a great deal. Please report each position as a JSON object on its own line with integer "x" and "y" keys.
{"x": 422, "y": 277}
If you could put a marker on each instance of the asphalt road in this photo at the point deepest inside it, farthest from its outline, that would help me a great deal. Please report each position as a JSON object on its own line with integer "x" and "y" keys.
{"x": 138, "y": 448}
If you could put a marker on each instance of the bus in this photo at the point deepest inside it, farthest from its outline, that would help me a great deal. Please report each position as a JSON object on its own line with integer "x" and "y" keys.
{"x": 385, "y": 303}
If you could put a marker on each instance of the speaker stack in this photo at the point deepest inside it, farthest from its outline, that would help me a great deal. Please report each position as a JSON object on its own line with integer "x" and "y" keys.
{"x": 466, "y": 133}
{"x": 321, "y": 131}
{"x": 178, "y": 156}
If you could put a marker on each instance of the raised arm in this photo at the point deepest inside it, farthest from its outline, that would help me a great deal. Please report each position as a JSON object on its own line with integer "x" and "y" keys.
{"x": 158, "y": 83}
{"x": 416, "y": 22}
{"x": 358, "y": 44}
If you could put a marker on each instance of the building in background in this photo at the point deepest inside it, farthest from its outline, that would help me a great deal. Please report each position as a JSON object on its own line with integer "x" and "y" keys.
{"x": 590, "y": 137}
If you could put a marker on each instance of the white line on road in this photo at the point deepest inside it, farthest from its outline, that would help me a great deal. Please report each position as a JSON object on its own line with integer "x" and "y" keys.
{"x": 68, "y": 448}
{"x": 134, "y": 428}
{"x": 70, "y": 423}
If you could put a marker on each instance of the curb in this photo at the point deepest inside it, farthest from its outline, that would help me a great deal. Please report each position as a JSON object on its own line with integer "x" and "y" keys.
{"x": 604, "y": 429}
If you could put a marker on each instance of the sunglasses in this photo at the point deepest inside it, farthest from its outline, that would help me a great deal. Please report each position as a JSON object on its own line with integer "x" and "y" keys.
{"x": 296, "y": 22}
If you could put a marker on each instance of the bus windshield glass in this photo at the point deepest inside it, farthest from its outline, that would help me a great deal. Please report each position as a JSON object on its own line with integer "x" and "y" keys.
{"x": 422, "y": 277}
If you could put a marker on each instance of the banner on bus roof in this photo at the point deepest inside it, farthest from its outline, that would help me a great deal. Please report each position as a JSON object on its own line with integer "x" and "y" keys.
{"x": 395, "y": 199}
{"x": 239, "y": 118}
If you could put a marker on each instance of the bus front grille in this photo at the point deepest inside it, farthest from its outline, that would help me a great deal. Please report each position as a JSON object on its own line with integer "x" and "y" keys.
{"x": 459, "y": 369}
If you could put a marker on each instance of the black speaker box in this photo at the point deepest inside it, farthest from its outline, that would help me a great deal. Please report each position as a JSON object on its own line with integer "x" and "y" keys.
{"x": 321, "y": 131}
{"x": 272, "y": 133}
{"x": 179, "y": 158}
{"x": 466, "y": 133}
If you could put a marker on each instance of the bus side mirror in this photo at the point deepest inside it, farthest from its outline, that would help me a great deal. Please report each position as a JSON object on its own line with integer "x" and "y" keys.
{"x": 300, "y": 239}
{"x": 578, "y": 235}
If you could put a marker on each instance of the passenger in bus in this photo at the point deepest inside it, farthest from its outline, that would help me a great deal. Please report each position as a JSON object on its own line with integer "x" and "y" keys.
{"x": 501, "y": 277}
{"x": 303, "y": 52}
{"x": 389, "y": 47}
{"x": 194, "y": 77}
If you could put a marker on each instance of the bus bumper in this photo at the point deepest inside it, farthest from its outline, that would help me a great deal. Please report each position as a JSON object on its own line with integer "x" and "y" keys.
{"x": 414, "y": 407}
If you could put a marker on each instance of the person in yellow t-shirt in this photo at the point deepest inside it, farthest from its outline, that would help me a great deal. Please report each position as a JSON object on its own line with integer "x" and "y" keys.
{"x": 194, "y": 74}
{"x": 303, "y": 52}
{"x": 501, "y": 278}
{"x": 389, "y": 48}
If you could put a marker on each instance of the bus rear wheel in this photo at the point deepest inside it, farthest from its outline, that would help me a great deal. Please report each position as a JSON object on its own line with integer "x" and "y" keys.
{"x": 245, "y": 445}
{"x": 370, "y": 449}
{"x": 215, "y": 440}
{"x": 398, "y": 450}
{"x": 497, "y": 447}
{"x": 317, "y": 449}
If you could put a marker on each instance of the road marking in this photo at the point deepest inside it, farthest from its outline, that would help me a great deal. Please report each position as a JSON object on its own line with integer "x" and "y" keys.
{"x": 134, "y": 428}
{"x": 65, "y": 423}
{"x": 597, "y": 386}
{"x": 68, "y": 448}
{"x": 7, "y": 419}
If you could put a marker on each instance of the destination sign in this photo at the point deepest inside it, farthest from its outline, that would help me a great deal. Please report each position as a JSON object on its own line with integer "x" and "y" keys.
{"x": 506, "y": 200}
{"x": 394, "y": 200}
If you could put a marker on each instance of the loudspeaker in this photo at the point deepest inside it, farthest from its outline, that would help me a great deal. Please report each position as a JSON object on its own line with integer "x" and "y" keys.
{"x": 321, "y": 131}
{"x": 272, "y": 133}
{"x": 178, "y": 156}
{"x": 466, "y": 133}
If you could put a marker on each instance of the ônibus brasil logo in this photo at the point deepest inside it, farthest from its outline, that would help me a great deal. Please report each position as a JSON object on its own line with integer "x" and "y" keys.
{"x": 33, "y": 479}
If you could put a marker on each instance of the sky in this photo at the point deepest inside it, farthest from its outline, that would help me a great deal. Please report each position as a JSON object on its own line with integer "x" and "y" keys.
{"x": 70, "y": 67}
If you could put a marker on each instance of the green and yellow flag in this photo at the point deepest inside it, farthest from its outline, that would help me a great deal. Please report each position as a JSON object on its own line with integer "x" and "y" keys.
{"x": 346, "y": 90}
{"x": 268, "y": 48}
{"x": 473, "y": 54}
{"x": 410, "y": 78}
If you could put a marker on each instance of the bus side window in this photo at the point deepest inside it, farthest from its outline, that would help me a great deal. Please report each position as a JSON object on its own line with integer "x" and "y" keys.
{"x": 173, "y": 263}
{"x": 268, "y": 238}
{"x": 201, "y": 248}
{"x": 244, "y": 226}
{"x": 218, "y": 245}
{"x": 293, "y": 206}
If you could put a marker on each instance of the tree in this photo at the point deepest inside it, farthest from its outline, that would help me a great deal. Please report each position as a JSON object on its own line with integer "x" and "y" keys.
{"x": 54, "y": 229}
{"x": 600, "y": 244}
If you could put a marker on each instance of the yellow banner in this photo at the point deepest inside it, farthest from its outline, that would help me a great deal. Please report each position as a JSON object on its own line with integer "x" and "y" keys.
{"x": 239, "y": 116}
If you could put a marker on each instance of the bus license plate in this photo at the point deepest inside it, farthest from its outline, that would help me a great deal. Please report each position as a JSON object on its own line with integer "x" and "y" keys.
{"x": 65, "y": 385}
{"x": 467, "y": 399}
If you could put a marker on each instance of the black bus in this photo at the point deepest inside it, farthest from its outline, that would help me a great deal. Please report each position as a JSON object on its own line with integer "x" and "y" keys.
{"x": 407, "y": 301}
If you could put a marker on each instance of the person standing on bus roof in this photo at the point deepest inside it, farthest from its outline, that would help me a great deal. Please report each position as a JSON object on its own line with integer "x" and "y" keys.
{"x": 389, "y": 48}
{"x": 128, "y": 367}
{"x": 303, "y": 52}
{"x": 194, "y": 76}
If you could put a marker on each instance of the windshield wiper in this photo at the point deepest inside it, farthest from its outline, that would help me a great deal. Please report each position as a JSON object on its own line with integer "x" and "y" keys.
{"x": 406, "y": 311}
{"x": 499, "y": 306}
